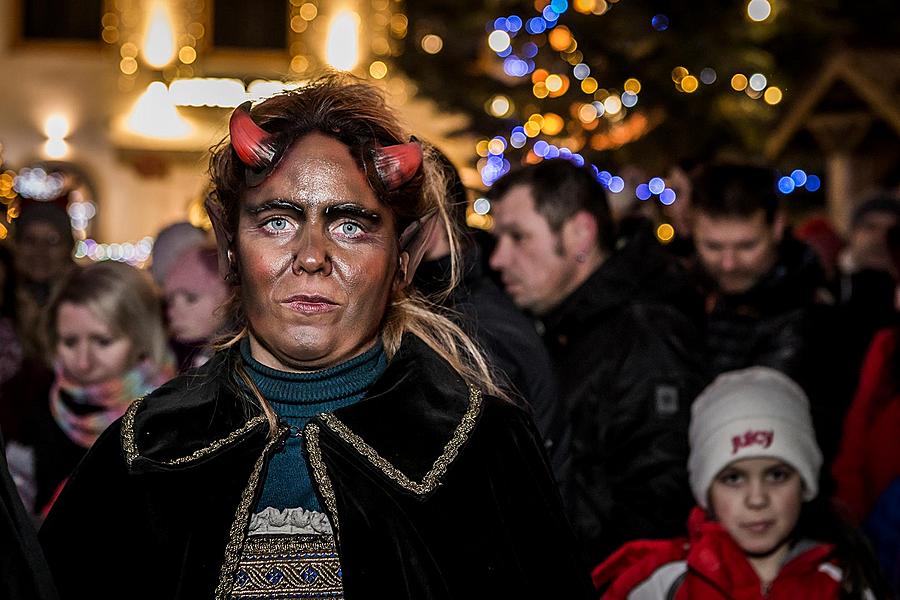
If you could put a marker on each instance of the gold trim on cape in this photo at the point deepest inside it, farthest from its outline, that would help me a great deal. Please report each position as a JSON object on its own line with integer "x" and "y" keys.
{"x": 237, "y": 533}
{"x": 129, "y": 444}
{"x": 432, "y": 478}
{"x": 320, "y": 474}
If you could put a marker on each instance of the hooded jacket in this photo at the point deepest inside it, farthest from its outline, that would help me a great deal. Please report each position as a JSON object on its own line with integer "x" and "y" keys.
{"x": 629, "y": 365}
{"x": 434, "y": 491}
{"x": 711, "y": 566}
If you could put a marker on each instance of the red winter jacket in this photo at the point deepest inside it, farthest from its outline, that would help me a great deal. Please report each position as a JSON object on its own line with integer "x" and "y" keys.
{"x": 869, "y": 458}
{"x": 710, "y": 566}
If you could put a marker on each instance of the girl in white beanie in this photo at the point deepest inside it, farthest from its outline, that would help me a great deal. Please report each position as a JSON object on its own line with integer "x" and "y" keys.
{"x": 754, "y": 470}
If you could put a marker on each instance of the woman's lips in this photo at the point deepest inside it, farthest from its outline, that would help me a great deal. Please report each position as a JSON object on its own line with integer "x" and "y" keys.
{"x": 310, "y": 304}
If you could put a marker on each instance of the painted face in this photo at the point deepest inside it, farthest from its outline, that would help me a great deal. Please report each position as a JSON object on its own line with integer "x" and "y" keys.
{"x": 758, "y": 502}
{"x": 736, "y": 252}
{"x": 535, "y": 265}
{"x": 318, "y": 259}
{"x": 89, "y": 350}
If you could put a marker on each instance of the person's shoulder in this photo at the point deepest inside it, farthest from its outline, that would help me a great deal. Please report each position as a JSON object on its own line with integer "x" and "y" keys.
{"x": 642, "y": 569}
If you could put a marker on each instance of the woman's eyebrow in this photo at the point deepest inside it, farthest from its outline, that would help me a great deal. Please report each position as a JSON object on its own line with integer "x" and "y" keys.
{"x": 275, "y": 204}
{"x": 350, "y": 209}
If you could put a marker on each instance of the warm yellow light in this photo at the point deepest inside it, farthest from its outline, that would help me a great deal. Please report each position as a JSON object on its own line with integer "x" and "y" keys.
{"x": 585, "y": 6}
{"x": 612, "y": 105}
{"x": 589, "y": 85}
{"x": 309, "y": 11}
{"x": 342, "y": 47}
{"x": 540, "y": 90}
{"x": 665, "y": 233}
{"x": 587, "y": 113}
{"x": 496, "y": 146}
{"x": 690, "y": 84}
{"x": 154, "y": 115}
{"x": 481, "y": 148}
{"x": 560, "y": 38}
{"x": 378, "y": 70}
{"x": 432, "y": 43}
{"x": 773, "y": 96}
{"x": 553, "y": 124}
{"x": 532, "y": 129}
{"x": 187, "y": 55}
{"x": 739, "y": 82}
{"x": 679, "y": 73}
{"x": 500, "y": 106}
{"x": 56, "y": 126}
{"x": 632, "y": 85}
{"x": 159, "y": 41}
{"x": 554, "y": 83}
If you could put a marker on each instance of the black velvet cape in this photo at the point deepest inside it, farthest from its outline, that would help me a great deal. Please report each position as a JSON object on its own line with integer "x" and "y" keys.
{"x": 435, "y": 491}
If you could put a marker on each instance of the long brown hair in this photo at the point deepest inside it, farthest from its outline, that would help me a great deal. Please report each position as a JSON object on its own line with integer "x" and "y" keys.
{"x": 356, "y": 114}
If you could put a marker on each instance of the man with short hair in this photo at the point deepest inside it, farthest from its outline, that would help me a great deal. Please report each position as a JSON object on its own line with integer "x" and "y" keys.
{"x": 766, "y": 300}
{"x": 627, "y": 358}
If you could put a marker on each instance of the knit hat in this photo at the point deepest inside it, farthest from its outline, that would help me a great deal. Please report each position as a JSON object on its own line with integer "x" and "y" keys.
{"x": 753, "y": 413}
{"x": 171, "y": 243}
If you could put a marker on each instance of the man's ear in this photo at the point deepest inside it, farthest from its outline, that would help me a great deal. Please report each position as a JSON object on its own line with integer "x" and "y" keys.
{"x": 778, "y": 226}
{"x": 223, "y": 238}
{"x": 401, "y": 280}
{"x": 579, "y": 233}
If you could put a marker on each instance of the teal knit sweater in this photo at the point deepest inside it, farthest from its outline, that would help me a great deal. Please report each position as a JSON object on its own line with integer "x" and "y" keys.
{"x": 297, "y": 398}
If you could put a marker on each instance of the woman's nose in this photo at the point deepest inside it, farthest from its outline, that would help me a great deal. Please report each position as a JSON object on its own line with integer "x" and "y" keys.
{"x": 83, "y": 358}
{"x": 312, "y": 252}
{"x": 498, "y": 257}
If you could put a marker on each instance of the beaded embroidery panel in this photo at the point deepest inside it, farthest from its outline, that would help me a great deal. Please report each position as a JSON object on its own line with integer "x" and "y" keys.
{"x": 279, "y": 567}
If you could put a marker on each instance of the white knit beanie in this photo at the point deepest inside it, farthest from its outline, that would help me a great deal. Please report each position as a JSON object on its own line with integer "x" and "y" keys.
{"x": 753, "y": 413}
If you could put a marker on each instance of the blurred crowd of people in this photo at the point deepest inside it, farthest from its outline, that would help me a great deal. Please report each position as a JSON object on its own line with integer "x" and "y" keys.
{"x": 732, "y": 394}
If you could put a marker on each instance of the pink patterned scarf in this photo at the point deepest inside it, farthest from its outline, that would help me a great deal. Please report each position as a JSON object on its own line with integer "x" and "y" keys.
{"x": 83, "y": 412}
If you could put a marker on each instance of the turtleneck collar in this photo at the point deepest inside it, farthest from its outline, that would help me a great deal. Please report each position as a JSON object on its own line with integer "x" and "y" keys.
{"x": 342, "y": 383}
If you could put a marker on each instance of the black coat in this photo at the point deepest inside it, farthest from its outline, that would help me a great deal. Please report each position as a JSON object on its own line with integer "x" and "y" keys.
{"x": 629, "y": 363}
{"x": 510, "y": 343}
{"x": 23, "y": 573}
{"x": 786, "y": 322}
{"x": 434, "y": 490}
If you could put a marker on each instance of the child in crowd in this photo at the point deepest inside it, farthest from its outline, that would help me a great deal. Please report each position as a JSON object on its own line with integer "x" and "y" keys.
{"x": 757, "y": 532}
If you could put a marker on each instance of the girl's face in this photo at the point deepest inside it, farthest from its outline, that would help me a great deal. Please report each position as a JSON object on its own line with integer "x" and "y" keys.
{"x": 89, "y": 350}
{"x": 757, "y": 501}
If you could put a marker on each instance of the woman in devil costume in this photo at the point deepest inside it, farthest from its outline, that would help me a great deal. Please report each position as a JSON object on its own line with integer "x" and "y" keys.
{"x": 346, "y": 441}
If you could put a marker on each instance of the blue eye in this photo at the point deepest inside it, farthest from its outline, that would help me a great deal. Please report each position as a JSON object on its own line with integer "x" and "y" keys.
{"x": 350, "y": 229}
{"x": 277, "y": 224}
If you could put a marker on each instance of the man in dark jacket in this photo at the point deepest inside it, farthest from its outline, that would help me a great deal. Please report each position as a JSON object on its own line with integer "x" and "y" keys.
{"x": 626, "y": 355}
{"x": 507, "y": 337}
{"x": 766, "y": 300}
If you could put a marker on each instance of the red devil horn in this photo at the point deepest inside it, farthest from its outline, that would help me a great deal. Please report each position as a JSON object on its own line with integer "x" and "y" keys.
{"x": 395, "y": 165}
{"x": 253, "y": 144}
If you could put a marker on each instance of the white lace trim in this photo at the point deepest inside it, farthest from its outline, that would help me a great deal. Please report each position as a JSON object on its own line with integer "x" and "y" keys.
{"x": 289, "y": 521}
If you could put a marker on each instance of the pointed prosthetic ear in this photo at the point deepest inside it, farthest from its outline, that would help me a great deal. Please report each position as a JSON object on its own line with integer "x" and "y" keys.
{"x": 415, "y": 240}
{"x": 258, "y": 149}
{"x": 396, "y": 165}
{"x": 223, "y": 238}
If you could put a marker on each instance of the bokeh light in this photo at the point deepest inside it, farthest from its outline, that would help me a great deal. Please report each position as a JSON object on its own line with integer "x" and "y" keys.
{"x": 758, "y": 82}
{"x": 432, "y": 43}
{"x": 378, "y": 70}
{"x": 739, "y": 82}
{"x": 498, "y": 41}
{"x": 665, "y": 233}
{"x": 786, "y": 185}
{"x": 660, "y": 22}
{"x": 759, "y": 10}
{"x": 773, "y": 96}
